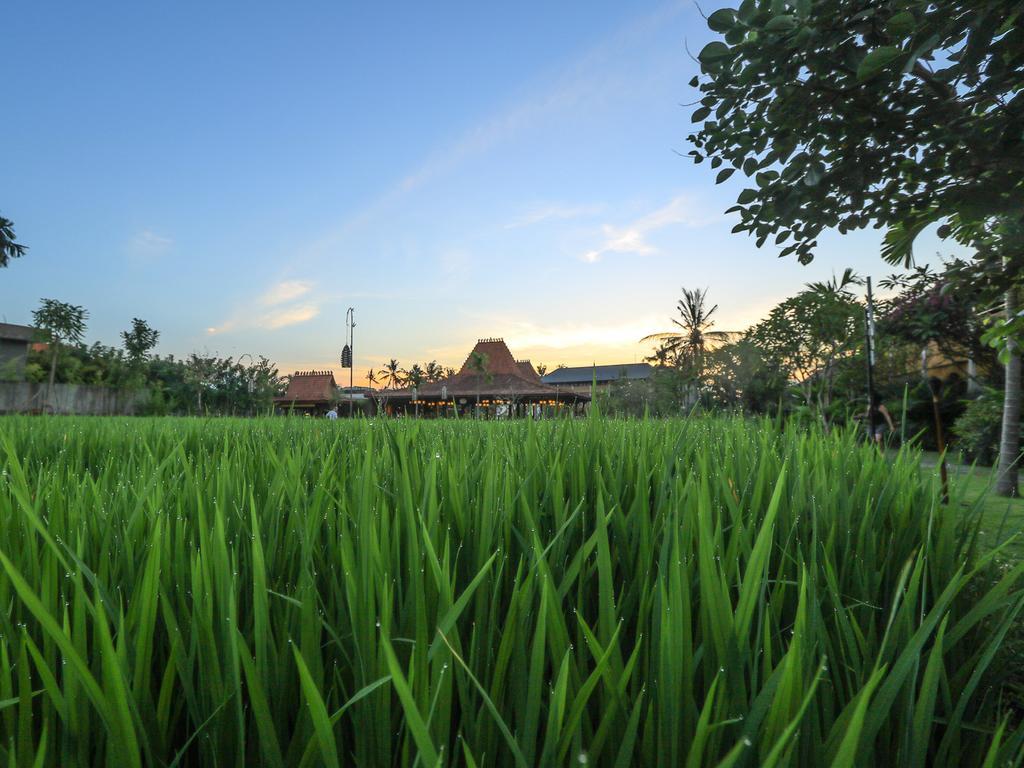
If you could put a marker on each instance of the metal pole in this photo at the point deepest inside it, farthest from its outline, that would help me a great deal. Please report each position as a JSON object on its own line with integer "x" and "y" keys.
{"x": 352, "y": 347}
{"x": 869, "y": 314}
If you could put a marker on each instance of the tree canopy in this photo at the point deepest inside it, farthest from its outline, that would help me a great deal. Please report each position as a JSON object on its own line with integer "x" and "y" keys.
{"x": 806, "y": 335}
{"x": 849, "y": 113}
{"x": 9, "y": 249}
{"x": 139, "y": 340}
{"x": 60, "y": 321}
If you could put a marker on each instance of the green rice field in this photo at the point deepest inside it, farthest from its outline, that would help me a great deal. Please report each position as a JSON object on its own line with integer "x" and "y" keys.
{"x": 701, "y": 592}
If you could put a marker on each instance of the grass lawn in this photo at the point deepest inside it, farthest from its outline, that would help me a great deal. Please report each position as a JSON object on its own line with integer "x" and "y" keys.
{"x": 1001, "y": 517}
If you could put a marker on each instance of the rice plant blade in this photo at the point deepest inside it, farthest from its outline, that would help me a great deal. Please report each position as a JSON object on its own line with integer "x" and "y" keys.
{"x": 414, "y": 720}
{"x": 318, "y": 713}
{"x": 502, "y": 725}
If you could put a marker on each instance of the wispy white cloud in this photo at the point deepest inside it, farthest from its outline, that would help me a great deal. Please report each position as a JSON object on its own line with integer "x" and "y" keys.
{"x": 554, "y": 212}
{"x": 282, "y": 318}
{"x": 632, "y": 237}
{"x": 592, "y": 79}
{"x": 276, "y": 316}
{"x": 286, "y": 290}
{"x": 147, "y": 245}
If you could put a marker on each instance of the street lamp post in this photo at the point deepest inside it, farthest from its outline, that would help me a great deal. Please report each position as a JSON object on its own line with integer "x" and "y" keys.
{"x": 347, "y": 353}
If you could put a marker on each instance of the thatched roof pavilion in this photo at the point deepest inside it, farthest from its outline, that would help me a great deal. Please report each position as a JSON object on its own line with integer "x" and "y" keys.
{"x": 490, "y": 376}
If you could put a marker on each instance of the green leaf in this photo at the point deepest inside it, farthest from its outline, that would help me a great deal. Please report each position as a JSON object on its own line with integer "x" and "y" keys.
{"x": 714, "y": 52}
{"x": 815, "y": 173}
{"x": 317, "y": 712}
{"x": 699, "y": 115}
{"x": 901, "y": 24}
{"x": 878, "y": 61}
{"x": 845, "y": 756}
{"x": 724, "y": 174}
{"x": 413, "y": 718}
{"x": 784, "y": 23}
{"x": 489, "y": 703}
{"x": 722, "y": 20}
{"x": 747, "y": 196}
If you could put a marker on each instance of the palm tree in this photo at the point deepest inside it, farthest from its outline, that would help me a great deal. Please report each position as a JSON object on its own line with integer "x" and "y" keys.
{"x": 541, "y": 369}
{"x": 371, "y": 377}
{"x": 9, "y": 249}
{"x": 478, "y": 363}
{"x": 415, "y": 375}
{"x": 434, "y": 372}
{"x": 393, "y": 374}
{"x": 689, "y": 348}
{"x": 661, "y": 356}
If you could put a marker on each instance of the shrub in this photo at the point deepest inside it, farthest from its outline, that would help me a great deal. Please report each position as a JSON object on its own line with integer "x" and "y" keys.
{"x": 979, "y": 428}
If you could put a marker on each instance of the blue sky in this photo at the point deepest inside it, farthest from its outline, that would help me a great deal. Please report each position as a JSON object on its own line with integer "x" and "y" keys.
{"x": 240, "y": 174}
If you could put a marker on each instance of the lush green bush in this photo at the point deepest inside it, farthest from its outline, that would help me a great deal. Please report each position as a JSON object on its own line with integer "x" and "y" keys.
{"x": 35, "y": 372}
{"x": 920, "y": 413}
{"x": 979, "y": 428}
{"x": 300, "y": 592}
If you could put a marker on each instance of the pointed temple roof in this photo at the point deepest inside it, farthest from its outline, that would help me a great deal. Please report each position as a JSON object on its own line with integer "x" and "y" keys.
{"x": 503, "y": 376}
{"x": 527, "y": 371}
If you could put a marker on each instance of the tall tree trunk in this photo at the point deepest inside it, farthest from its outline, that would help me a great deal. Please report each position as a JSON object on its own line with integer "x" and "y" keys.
{"x": 1009, "y": 445}
{"x": 973, "y": 385}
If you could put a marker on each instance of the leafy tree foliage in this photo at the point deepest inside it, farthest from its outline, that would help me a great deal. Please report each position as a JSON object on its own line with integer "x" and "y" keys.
{"x": 9, "y": 249}
{"x": 139, "y": 340}
{"x": 415, "y": 376}
{"x": 433, "y": 371}
{"x": 891, "y": 113}
{"x": 740, "y": 376}
{"x": 978, "y": 428}
{"x": 393, "y": 375}
{"x": 850, "y": 113}
{"x": 479, "y": 363}
{"x": 807, "y": 336}
{"x": 62, "y": 323}
{"x": 939, "y": 308}
{"x": 687, "y": 348}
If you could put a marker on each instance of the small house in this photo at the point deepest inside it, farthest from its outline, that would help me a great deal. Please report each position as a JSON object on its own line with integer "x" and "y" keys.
{"x": 309, "y": 392}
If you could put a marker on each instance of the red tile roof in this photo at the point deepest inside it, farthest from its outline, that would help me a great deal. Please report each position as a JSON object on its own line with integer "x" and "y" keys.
{"x": 526, "y": 370}
{"x": 310, "y": 386}
{"x": 498, "y": 359}
{"x": 503, "y": 377}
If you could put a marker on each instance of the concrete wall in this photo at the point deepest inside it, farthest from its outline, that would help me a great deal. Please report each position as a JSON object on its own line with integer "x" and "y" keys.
{"x": 28, "y": 397}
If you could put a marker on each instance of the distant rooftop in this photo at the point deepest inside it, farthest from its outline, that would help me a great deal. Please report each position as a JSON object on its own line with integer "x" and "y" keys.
{"x": 17, "y": 332}
{"x": 603, "y": 374}
{"x": 309, "y": 386}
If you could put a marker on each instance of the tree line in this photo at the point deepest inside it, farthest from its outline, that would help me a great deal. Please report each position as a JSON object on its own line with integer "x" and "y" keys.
{"x": 200, "y": 383}
{"x": 393, "y": 376}
{"x": 847, "y": 114}
{"x": 807, "y": 359}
